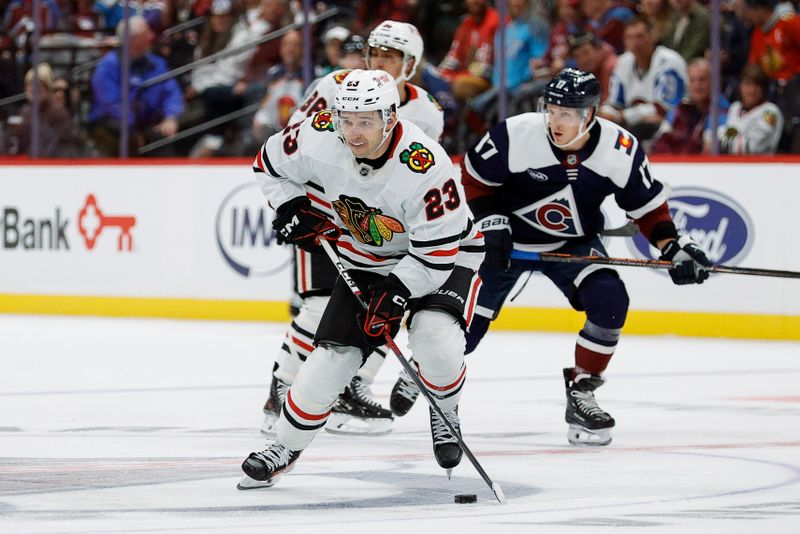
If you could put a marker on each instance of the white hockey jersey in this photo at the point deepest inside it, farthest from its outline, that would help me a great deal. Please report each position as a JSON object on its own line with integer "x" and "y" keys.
{"x": 407, "y": 217}
{"x": 640, "y": 95}
{"x": 756, "y": 131}
{"x": 419, "y": 107}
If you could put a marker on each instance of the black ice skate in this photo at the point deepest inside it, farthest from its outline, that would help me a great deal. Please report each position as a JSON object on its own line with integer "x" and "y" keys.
{"x": 263, "y": 469}
{"x": 404, "y": 394}
{"x": 445, "y": 445}
{"x": 588, "y": 423}
{"x": 356, "y": 412}
{"x": 272, "y": 408}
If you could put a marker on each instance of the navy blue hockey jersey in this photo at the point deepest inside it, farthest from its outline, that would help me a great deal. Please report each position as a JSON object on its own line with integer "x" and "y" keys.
{"x": 551, "y": 196}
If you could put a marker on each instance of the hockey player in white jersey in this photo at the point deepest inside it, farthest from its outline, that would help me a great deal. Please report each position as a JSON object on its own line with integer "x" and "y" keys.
{"x": 405, "y": 235}
{"x": 395, "y": 47}
{"x": 648, "y": 81}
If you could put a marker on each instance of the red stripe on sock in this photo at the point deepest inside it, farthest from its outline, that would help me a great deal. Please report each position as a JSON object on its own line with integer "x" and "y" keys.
{"x": 449, "y": 386}
{"x": 301, "y": 413}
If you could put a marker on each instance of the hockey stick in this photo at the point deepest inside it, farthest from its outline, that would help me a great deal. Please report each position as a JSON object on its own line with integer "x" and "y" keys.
{"x": 494, "y": 486}
{"x": 636, "y": 262}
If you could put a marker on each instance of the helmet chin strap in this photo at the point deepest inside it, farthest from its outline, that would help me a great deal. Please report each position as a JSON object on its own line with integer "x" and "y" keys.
{"x": 386, "y": 134}
{"x": 581, "y": 132}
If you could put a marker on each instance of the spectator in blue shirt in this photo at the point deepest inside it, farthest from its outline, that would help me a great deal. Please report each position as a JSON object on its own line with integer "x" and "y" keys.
{"x": 153, "y": 111}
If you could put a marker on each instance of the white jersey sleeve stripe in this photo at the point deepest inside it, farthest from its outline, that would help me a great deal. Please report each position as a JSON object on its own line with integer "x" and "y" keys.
{"x": 472, "y": 172}
{"x": 655, "y": 202}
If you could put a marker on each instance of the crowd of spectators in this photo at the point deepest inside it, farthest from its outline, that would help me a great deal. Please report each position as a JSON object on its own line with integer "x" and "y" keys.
{"x": 651, "y": 56}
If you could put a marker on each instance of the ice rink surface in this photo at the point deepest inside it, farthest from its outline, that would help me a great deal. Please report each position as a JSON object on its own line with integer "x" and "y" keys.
{"x": 114, "y": 425}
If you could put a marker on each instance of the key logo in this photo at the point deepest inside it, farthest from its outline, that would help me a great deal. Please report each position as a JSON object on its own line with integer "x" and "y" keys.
{"x": 92, "y": 221}
{"x": 715, "y": 221}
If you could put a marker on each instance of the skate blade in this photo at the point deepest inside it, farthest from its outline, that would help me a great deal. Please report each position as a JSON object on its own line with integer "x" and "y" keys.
{"x": 247, "y": 483}
{"x": 583, "y": 437}
{"x": 449, "y": 473}
{"x": 270, "y": 424}
{"x": 344, "y": 424}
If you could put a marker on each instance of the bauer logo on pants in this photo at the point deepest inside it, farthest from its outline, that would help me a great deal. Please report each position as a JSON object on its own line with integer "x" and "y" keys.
{"x": 713, "y": 220}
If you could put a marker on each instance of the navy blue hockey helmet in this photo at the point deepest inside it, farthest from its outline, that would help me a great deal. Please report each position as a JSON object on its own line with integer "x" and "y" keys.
{"x": 573, "y": 88}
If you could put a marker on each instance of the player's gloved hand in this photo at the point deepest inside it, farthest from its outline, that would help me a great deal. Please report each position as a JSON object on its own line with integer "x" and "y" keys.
{"x": 497, "y": 235}
{"x": 689, "y": 261}
{"x": 301, "y": 224}
{"x": 385, "y": 310}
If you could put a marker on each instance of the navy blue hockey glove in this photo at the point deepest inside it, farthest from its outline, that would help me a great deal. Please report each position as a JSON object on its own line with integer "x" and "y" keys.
{"x": 689, "y": 261}
{"x": 387, "y": 304}
{"x": 497, "y": 236}
{"x": 301, "y": 224}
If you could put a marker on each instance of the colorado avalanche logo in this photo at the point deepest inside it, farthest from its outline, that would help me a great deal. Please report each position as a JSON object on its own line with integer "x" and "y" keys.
{"x": 417, "y": 157}
{"x": 369, "y": 225}
{"x": 340, "y": 76}
{"x": 556, "y": 214}
{"x": 715, "y": 221}
{"x": 323, "y": 121}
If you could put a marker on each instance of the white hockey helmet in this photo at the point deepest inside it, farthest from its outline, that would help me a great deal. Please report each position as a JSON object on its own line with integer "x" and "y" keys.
{"x": 367, "y": 90}
{"x": 400, "y": 36}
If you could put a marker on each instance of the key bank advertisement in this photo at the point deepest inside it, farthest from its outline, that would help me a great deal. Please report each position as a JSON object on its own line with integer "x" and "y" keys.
{"x": 202, "y": 233}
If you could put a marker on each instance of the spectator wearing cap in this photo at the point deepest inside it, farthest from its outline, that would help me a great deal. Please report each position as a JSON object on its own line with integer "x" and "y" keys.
{"x": 687, "y": 128}
{"x": 591, "y": 55}
{"x": 468, "y": 65}
{"x": 606, "y": 19}
{"x": 153, "y": 111}
{"x": 689, "y": 31}
{"x": 332, "y": 41}
{"x": 754, "y": 125}
{"x": 59, "y": 137}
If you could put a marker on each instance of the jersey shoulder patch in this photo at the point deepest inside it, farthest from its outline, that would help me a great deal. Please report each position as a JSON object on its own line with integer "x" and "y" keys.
{"x": 323, "y": 121}
{"x": 417, "y": 157}
{"x": 340, "y": 75}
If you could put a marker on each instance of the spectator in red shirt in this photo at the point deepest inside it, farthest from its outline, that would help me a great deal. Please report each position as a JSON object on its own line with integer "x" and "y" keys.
{"x": 468, "y": 64}
{"x": 775, "y": 41}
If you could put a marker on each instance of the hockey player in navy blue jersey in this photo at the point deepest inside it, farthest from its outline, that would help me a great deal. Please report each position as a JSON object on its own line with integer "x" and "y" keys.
{"x": 535, "y": 182}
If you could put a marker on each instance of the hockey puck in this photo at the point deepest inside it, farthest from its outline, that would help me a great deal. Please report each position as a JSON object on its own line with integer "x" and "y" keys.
{"x": 466, "y": 498}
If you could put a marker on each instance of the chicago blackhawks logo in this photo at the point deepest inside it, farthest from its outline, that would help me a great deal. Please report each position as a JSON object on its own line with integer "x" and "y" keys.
{"x": 369, "y": 225}
{"x": 341, "y": 75}
{"x": 323, "y": 121}
{"x": 417, "y": 157}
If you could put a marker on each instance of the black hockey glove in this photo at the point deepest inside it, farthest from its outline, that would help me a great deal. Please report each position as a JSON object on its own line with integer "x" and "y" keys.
{"x": 301, "y": 224}
{"x": 497, "y": 236}
{"x": 387, "y": 304}
{"x": 689, "y": 261}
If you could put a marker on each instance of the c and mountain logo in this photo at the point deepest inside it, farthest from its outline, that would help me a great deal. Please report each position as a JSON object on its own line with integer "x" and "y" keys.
{"x": 244, "y": 233}
{"x": 717, "y": 222}
{"x": 323, "y": 121}
{"x": 369, "y": 225}
{"x": 418, "y": 158}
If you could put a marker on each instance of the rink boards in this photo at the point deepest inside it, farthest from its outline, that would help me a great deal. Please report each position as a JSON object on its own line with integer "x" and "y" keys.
{"x": 194, "y": 241}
